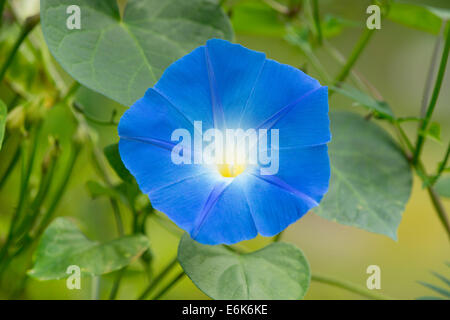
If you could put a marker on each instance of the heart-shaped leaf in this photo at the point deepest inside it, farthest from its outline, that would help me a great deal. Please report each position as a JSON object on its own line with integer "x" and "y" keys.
{"x": 121, "y": 56}
{"x": 63, "y": 245}
{"x": 278, "y": 271}
{"x": 371, "y": 179}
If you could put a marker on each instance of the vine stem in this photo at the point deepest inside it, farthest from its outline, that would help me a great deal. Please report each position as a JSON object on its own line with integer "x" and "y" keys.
{"x": 316, "y": 15}
{"x": 362, "y": 43}
{"x": 29, "y": 25}
{"x": 158, "y": 279}
{"x": 434, "y": 97}
{"x": 442, "y": 214}
{"x": 349, "y": 287}
{"x": 2, "y": 6}
{"x": 442, "y": 165}
{"x": 180, "y": 275}
{"x": 434, "y": 59}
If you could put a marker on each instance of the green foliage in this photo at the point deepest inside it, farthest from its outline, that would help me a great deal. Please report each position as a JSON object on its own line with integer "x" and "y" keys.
{"x": 443, "y": 186}
{"x": 420, "y": 17}
{"x": 63, "y": 244}
{"x": 3, "y": 112}
{"x": 370, "y": 177}
{"x": 278, "y": 271}
{"x": 122, "y": 58}
{"x": 333, "y": 26}
{"x": 380, "y": 108}
{"x": 113, "y": 156}
{"x": 97, "y": 190}
{"x": 434, "y": 131}
{"x": 256, "y": 18}
{"x": 445, "y": 293}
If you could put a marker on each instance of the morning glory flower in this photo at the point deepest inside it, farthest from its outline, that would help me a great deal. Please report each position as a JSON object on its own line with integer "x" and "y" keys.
{"x": 178, "y": 143}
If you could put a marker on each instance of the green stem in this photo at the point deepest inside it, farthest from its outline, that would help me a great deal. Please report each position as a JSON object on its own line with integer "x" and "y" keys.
{"x": 95, "y": 287}
{"x": 349, "y": 287}
{"x": 10, "y": 155}
{"x": 442, "y": 165}
{"x": 431, "y": 70}
{"x": 439, "y": 209}
{"x": 29, "y": 25}
{"x": 35, "y": 207}
{"x": 362, "y": 43}
{"x": 163, "y": 291}
{"x": 2, "y": 6}
{"x": 437, "y": 88}
{"x": 54, "y": 202}
{"x": 61, "y": 189}
{"x": 23, "y": 193}
{"x": 116, "y": 285}
{"x": 158, "y": 278}
{"x": 316, "y": 16}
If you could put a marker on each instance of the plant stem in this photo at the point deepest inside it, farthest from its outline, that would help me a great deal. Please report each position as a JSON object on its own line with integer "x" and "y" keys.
{"x": 29, "y": 25}
{"x": 349, "y": 287}
{"x": 437, "y": 87}
{"x": 158, "y": 278}
{"x": 431, "y": 69}
{"x": 95, "y": 288}
{"x": 442, "y": 165}
{"x": 2, "y": 6}
{"x": 160, "y": 293}
{"x": 27, "y": 167}
{"x": 116, "y": 285}
{"x": 61, "y": 189}
{"x": 10, "y": 155}
{"x": 316, "y": 16}
{"x": 439, "y": 209}
{"x": 363, "y": 41}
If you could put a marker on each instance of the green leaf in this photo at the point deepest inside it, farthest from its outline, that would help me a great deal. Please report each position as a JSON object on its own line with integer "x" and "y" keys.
{"x": 420, "y": 17}
{"x": 113, "y": 156}
{"x": 380, "y": 107}
{"x": 63, "y": 245}
{"x": 436, "y": 289}
{"x": 3, "y": 112}
{"x": 371, "y": 179}
{"x": 430, "y": 298}
{"x": 442, "y": 278}
{"x": 256, "y": 18}
{"x": 443, "y": 186}
{"x": 434, "y": 131}
{"x": 122, "y": 58}
{"x": 333, "y": 26}
{"x": 278, "y": 271}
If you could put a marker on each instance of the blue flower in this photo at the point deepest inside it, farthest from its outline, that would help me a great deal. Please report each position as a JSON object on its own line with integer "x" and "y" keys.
{"x": 226, "y": 86}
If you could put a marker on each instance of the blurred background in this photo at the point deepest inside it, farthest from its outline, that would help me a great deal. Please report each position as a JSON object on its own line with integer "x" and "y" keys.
{"x": 395, "y": 62}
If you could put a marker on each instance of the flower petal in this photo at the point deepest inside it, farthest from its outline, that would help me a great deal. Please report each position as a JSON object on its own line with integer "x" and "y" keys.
{"x": 226, "y": 216}
{"x": 186, "y": 85}
{"x": 152, "y": 117}
{"x": 304, "y": 122}
{"x": 277, "y": 201}
{"x": 234, "y": 70}
{"x": 278, "y": 86}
